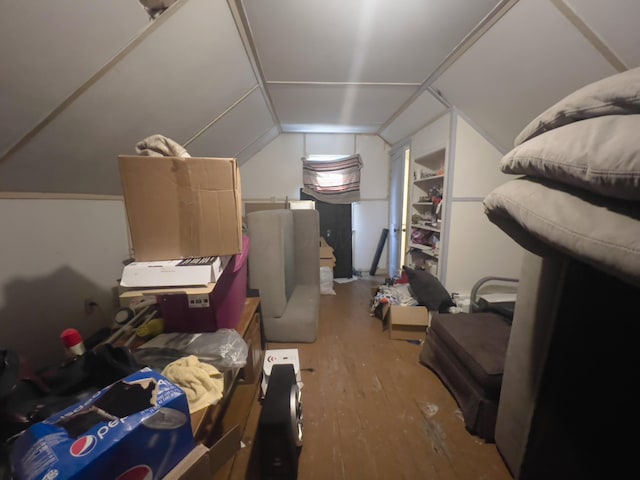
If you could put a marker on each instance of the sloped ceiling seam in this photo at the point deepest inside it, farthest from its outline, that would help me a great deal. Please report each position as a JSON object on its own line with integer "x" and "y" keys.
{"x": 467, "y": 42}
{"x": 590, "y": 35}
{"x": 244, "y": 30}
{"x": 137, "y": 40}
{"x": 212, "y": 122}
{"x": 251, "y": 145}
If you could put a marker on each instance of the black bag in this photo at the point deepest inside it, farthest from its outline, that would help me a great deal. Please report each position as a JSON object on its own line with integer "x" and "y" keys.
{"x": 428, "y": 290}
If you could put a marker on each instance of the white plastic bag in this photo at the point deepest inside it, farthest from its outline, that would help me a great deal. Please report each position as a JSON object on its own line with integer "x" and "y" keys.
{"x": 326, "y": 281}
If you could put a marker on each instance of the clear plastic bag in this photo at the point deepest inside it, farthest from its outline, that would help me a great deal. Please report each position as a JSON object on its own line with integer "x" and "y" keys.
{"x": 326, "y": 281}
{"x": 225, "y": 349}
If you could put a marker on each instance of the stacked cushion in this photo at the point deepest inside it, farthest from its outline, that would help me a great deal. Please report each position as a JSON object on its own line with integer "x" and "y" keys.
{"x": 580, "y": 193}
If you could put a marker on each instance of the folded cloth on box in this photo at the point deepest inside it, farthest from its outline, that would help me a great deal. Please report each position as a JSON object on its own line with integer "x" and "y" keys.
{"x": 160, "y": 146}
{"x": 202, "y": 383}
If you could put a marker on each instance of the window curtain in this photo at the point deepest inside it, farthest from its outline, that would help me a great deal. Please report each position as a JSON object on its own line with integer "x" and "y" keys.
{"x": 336, "y": 181}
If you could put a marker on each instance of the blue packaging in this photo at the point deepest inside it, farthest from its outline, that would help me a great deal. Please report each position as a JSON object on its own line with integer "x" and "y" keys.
{"x": 138, "y": 428}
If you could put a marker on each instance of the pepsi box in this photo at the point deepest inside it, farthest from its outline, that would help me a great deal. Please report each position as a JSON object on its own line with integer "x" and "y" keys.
{"x": 137, "y": 428}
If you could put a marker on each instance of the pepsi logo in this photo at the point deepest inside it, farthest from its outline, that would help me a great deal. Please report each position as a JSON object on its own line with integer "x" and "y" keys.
{"x": 83, "y": 446}
{"x": 139, "y": 472}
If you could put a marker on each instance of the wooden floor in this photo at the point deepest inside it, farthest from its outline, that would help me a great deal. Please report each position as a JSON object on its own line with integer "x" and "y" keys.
{"x": 372, "y": 411}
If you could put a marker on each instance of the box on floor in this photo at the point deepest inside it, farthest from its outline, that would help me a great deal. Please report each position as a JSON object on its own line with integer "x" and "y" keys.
{"x": 327, "y": 258}
{"x": 407, "y": 322}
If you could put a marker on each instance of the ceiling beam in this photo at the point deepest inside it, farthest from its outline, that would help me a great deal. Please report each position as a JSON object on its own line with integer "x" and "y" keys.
{"x": 590, "y": 35}
{"x": 244, "y": 30}
{"x": 467, "y": 42}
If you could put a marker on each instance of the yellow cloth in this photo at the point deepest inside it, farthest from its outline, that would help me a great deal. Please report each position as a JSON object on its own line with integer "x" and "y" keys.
{"x": 203, "y": 383}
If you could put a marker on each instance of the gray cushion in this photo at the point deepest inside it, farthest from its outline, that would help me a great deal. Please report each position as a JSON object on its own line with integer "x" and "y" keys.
{"x": 599, "y": 231}
{"x": 284, "y": 265}
{"x": 600, "y": 154}
{"x": 299, "y": 323}
{"x": 271, "y": 260}
{"x": 615, "y": 95}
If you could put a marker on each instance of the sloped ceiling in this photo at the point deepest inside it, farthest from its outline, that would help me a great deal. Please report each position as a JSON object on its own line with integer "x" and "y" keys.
{"x": 84, "y": 81}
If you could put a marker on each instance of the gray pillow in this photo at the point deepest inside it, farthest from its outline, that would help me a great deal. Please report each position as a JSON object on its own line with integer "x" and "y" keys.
{"x": 600, "y": 154}
{"x": 539, "y": 214}
{"x": 428, "y": 290}
{"x": 617, "y": 94}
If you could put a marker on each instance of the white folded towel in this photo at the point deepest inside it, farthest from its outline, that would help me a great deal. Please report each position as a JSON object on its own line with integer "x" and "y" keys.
{"x": 203, "y": 383}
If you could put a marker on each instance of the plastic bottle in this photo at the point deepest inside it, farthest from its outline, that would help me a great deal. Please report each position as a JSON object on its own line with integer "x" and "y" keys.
{"x": 73, "y": 344}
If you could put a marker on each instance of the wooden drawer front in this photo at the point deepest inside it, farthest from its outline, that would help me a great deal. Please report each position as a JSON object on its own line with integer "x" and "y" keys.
{"x": 251, "y": 372}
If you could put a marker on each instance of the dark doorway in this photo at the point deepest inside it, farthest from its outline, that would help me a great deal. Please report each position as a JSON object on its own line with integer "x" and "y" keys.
{"x": 335, "y": 227}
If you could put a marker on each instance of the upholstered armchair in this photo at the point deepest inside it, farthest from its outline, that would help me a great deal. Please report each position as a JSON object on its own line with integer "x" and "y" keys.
{"x": 284, "y": 266}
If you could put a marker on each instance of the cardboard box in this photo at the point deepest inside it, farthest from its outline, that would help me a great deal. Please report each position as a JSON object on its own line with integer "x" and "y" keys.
{"x": 179, "y": 207}
{"x": 138, "y": 427}
{"x": 407, "y": 323}
{"x": 202, "y": 463}
{"x": 171, "y": 273}
{"x": 279, "y": 357}
{"x": 327, "y": 258}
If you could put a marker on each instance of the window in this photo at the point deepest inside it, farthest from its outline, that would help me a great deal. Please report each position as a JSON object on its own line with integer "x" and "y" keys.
{"x": 332, "y": 180}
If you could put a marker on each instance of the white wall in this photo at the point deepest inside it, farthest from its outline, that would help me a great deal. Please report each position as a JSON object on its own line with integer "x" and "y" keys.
{"x": 475, "y": 247}
{"x": 55, "y": 254}
{"x": 275, "y": 172}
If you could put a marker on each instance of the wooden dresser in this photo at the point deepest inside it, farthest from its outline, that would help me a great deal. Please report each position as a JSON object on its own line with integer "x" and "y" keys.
{"x": 234, "y": 418}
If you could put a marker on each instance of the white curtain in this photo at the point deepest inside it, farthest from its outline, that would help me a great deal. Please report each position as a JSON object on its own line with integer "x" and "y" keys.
{"x": 335, "y": 181}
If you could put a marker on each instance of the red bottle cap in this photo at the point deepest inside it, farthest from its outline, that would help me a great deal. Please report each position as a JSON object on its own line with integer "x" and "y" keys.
{"x": 70, "y": 337}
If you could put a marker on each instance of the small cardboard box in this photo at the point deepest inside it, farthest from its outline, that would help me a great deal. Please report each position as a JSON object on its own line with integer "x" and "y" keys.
{"x": 407, "y": 323}
{"x": 171, "y": 273}
{"x": 180, "y": 207}
{"x": 202, "y": 463}
{"x": 327, "y": 258}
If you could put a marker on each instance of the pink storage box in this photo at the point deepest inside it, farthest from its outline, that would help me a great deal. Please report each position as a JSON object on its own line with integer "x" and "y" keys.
{"x": 226, "y": 301}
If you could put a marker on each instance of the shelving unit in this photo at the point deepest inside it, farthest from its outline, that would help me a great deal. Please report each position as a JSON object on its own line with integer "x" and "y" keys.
{"x": 425, "y": 215}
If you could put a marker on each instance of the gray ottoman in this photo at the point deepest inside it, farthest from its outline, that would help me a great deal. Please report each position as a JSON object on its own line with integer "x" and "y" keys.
{"x": 467, "y": 352}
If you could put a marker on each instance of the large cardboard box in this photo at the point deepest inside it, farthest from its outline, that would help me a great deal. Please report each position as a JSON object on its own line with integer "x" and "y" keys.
{"x": 139, "y": 427}
{"x": 180, "y": 207}
{"x": 407, "y": 323}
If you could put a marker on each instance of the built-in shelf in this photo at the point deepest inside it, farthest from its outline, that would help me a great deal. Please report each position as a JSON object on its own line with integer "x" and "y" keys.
{"x": 426, "y": 227}
{"x": 425, "y": 249}
{"x": 428, "y": 179}
{"x": 428, "y": 173}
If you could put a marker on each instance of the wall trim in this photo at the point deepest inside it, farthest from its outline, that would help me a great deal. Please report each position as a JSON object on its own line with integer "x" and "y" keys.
{"x": 57, "y": 196}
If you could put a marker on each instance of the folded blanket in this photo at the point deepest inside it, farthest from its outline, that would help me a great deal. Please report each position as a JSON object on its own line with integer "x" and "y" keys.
{"x": 160, "y": 146}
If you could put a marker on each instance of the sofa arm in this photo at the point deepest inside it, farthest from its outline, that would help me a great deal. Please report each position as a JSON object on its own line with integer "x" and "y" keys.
{"x": 307, "y": 246}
